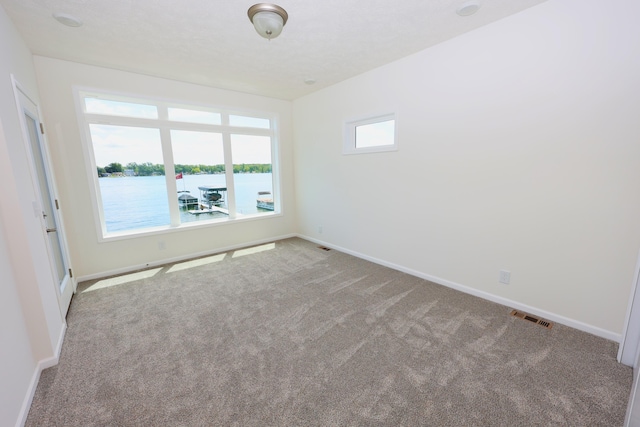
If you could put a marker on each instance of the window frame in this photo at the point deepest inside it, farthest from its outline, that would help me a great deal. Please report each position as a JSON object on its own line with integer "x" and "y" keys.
{"x": 165, "y": 125}
{"x": 349, "y": 140}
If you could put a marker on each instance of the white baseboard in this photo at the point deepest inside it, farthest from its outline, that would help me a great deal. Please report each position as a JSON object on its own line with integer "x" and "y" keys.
{"x": 138, "y": 267}
{"x": 33, "y": 385}
{"x": 581, "y": 326}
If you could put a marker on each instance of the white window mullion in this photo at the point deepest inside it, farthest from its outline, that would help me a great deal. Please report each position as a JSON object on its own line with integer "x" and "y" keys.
{"x": 169, "y": 165}
{"x": 275, "y": 165}
{"x": 170, "y": 176}
{"x": 228, "y": 171}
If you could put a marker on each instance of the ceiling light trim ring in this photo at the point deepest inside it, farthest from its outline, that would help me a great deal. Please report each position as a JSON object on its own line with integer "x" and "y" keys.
{"x": 268, "y": 7}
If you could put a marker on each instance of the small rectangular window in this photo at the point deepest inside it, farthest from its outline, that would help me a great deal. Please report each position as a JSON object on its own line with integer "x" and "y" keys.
{"x": 249, "y": 122}
{"x": 119, "y": 108}
{"x": 370, "y": 135}
{"x": 194, "y": 116}
{"x": 376, "y": 134}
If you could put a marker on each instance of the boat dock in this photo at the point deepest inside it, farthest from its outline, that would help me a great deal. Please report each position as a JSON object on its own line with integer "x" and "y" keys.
{"x": 212, "y": 209}
{"x": 211, "y": 200}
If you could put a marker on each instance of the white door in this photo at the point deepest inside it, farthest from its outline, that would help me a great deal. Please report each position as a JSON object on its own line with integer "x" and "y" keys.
{"x": 48, "y": 206}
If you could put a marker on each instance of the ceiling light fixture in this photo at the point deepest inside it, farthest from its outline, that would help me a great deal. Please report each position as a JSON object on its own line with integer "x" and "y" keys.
{"x": 268, "y": 19}
{"x": 68, "y": 20}
{"x": 468, "y": 8}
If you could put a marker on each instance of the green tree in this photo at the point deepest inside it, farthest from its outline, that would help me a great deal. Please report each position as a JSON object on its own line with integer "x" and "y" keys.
{"x": 113, "y": 167}
{"x": 133, "y": 166}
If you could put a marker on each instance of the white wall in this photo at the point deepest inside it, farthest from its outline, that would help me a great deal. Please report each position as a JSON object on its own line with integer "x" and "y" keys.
{"x": 56, "y": 79}
{"x": 518, "y": 150}
{"x": 18, "y": 364}
{"x": 519, "y": 146}
{"x": 30, "y": 320}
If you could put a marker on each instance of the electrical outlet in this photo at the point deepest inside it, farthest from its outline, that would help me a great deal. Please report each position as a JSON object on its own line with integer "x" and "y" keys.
{"x": 505, "y": 277}
{"x": 319, "y": 229}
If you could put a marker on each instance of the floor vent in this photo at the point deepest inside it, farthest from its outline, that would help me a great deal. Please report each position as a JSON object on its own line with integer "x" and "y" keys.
{"x": 532, "y": 319}
{"x": 324, "y": 248}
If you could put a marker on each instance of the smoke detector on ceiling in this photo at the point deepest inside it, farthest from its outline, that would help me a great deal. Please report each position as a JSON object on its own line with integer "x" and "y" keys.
{"x": 67, "y": 19}
{"x": 468, "y": 8}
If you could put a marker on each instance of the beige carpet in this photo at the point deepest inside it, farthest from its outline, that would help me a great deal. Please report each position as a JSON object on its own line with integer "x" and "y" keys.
{"x": 292, "y": 335}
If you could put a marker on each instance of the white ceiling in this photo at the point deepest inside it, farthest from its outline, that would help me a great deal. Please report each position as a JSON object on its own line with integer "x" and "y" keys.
{"x": 213, "y": 43}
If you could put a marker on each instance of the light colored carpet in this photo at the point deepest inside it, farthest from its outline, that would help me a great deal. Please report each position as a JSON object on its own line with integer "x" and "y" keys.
{"x": 293, "y": 335}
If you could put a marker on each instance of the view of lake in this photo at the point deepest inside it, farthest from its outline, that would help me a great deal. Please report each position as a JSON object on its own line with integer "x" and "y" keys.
{"x": 139, "y": 202}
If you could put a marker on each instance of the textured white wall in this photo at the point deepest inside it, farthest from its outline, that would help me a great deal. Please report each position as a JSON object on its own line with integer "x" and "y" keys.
{"x": 56, "y": 79}
{"x": 29, "y": 315}
{"x": 519, "y": 146}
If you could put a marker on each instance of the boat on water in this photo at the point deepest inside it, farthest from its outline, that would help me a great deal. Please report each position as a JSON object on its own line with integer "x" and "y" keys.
{"x": 186, "y": 200}
{"x": 265, "y": 200}
{"x": 211, "y": 200}
{"x": 211, "y": 195}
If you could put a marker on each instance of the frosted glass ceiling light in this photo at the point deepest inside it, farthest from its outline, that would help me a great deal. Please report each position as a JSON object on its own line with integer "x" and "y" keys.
{"x": 268, "y": 19}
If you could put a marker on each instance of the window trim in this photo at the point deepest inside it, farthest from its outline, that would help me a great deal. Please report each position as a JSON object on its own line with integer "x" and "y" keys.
{"x": 349, "y": 139}
{"x": 163, "y": 124}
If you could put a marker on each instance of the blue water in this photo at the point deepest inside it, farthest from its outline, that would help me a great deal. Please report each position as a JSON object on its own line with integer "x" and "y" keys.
{"x": 131, "y": 203}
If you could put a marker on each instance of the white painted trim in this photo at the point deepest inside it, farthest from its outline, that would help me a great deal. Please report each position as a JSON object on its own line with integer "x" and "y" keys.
{"x": 156, "y": 231}
{"x": 632, "y": 416}
{"x": 56, "y": 358}
{"x": 31, "y": 391}
{"x": 34, "y": 112}
{"x": 581, "y": 326}
{"x": 33, "y": 385}
{"x": 630, "y": 341}
{"x": 162, "y": 124}
{"x": 165, "y": 261}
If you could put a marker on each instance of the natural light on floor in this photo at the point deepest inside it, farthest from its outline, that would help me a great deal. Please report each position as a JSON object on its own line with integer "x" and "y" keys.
{"x": 196, "y": 263}
{"x": 120, "y": 280}
{"x": 128, "y": 278}
{"x": 253, "y": 250}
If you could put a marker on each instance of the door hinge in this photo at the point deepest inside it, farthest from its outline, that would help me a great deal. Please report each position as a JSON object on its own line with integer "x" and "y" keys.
{"x": 41, "y": 128}
{"x": 70, "y": 273}
{"x": 57, "y": 206}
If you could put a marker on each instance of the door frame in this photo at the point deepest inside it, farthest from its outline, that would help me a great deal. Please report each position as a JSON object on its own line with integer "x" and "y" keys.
{"x": 629, "y": 349}
{"x": 63, "y": 293}
{"x": 630, "y": 340}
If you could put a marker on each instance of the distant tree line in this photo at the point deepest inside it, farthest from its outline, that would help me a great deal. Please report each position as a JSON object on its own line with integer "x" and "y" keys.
{"x": 208, "y": 169}
{"x": 197, "y": 169}
{"x": 149, "y": 169}
{"x": 110, "y": 168}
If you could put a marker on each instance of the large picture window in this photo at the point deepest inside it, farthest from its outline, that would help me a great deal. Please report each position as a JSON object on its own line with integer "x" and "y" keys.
{"x": 156, "y": 165}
